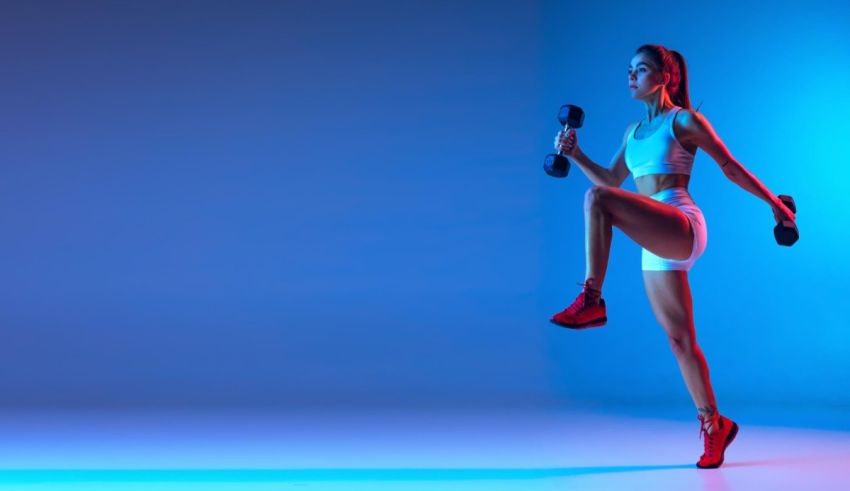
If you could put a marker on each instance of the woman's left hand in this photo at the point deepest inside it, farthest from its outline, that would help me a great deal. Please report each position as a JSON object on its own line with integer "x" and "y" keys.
{"x": 782, "y": 212}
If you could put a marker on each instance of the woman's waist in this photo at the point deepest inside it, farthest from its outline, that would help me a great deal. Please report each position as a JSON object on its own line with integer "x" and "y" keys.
{"x": 678, "y": 197}
{"x": 652, "y": 184}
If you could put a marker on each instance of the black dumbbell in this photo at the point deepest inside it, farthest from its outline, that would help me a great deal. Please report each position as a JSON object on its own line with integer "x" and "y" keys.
{"x": 785, "y": 231}
{"x": 555, "y": 164}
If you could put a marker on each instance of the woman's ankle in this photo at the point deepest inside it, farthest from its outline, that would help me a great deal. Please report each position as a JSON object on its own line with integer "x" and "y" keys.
{"x": 709, "y": 417}
{"x": 709, "y": 411}
{"x": 591, "y": 292}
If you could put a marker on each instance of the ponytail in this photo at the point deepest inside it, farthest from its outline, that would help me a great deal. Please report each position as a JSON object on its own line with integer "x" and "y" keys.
{"x": 680, "y": 94}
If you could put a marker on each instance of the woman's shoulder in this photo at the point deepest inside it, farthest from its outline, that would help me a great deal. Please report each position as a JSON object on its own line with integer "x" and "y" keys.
{"x": 690, "y": 127}
{"x": 688, "y": 120}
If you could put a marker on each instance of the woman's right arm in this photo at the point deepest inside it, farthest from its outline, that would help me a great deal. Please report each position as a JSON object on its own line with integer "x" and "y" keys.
{"x": 599, "y": 175}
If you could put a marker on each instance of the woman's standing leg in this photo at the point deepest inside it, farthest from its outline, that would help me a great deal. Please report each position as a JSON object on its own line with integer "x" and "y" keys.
{"x": 670, "y": 296}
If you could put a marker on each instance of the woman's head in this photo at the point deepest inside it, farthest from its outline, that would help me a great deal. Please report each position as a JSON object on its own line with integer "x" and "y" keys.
{"x": 654, "y": 68}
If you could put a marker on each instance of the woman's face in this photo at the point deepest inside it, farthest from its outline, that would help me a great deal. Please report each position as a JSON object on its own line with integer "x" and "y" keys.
{"x": 644, "y": 79}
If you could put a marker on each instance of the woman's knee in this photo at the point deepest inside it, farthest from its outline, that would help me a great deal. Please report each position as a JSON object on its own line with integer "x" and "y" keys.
{"x": 681, "y": 344}
{"x": 595, "y": 196}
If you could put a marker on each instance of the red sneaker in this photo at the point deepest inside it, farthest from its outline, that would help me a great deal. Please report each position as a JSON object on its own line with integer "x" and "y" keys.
{"x": 581, "y": 314}
{"x": 716, "y": 442}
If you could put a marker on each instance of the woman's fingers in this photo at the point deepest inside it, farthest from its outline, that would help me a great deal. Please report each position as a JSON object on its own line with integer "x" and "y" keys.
{"x": 566, "y": 137}
{"x": 783, "y": 212}
{"x": 787, "y": 212}
{"x": 565, "y": 141}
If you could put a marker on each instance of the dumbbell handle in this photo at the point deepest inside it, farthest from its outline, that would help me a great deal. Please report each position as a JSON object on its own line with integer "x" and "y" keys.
{"x": 566, "y": 129}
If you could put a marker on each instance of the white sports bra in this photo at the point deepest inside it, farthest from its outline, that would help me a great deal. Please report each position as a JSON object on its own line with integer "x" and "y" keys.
{"x": 660, "y": 152}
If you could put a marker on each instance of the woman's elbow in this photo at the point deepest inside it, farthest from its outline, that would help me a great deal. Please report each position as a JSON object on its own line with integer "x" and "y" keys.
{"x": 616, "y": 180}
{"x": 731, "y": 168}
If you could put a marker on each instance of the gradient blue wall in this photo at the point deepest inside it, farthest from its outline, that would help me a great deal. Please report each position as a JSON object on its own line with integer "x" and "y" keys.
{"x": 337, "y": 203}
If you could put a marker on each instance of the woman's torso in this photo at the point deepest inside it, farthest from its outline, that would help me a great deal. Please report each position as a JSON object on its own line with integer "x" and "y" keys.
{"x": 653, "y": 183}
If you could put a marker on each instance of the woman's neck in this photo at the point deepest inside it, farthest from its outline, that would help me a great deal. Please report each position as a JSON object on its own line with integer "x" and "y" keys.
{"x": 658, "y": 105}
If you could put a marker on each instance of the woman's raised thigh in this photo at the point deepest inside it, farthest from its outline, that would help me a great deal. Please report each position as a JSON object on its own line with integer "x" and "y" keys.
{"x": 660, "y": 228}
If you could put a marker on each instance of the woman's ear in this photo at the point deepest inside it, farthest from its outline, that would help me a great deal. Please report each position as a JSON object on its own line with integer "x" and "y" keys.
{"x": 662, "y": 78}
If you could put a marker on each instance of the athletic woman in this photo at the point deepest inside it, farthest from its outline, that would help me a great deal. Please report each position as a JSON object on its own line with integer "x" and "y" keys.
{"x": 662, "y": 217}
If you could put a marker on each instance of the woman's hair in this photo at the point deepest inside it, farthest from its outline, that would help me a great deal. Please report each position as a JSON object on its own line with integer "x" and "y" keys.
{"x": 673, "y": 63}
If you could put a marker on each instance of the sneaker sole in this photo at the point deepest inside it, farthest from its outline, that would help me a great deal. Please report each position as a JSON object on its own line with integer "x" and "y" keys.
{"x": 594, "y": 323}
{"x": 729, "y": 439}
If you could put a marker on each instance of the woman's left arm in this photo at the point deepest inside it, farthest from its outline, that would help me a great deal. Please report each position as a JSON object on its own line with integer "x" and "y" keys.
{"x": 697, "y": 130}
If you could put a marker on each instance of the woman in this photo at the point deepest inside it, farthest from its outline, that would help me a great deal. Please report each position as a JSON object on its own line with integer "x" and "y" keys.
{"x": 659, "y": 152}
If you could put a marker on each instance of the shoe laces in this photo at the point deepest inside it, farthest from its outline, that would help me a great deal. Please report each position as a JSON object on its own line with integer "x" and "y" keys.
{"x": 580, "y": 302}
{"x": 712, "y": 438}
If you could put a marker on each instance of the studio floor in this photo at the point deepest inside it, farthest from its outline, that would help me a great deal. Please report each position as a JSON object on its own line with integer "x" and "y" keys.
{"x": 380, "y": 449}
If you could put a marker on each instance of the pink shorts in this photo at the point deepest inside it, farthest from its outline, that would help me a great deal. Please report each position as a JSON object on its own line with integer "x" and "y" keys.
{"x": 681, "y": 199}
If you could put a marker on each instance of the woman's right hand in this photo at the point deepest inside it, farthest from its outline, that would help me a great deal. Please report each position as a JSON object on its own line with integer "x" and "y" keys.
{"x": 566, "y": 143}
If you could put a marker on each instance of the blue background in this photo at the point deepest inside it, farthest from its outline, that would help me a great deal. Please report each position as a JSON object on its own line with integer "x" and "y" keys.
{"x": 334, "y": 203}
